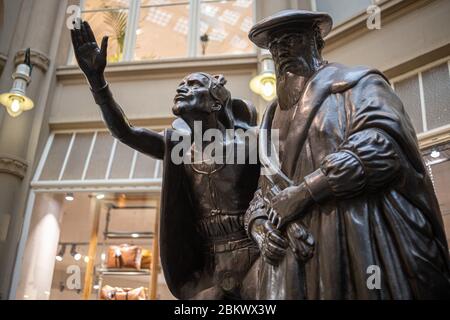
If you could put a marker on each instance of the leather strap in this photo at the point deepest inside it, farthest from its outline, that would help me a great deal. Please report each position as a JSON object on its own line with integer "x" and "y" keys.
{"x": 229, "y": 245}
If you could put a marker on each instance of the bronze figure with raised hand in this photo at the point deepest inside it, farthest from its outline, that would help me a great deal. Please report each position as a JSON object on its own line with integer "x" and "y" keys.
{"x": 350, "y": 192}
{"x": 205, "y": 251}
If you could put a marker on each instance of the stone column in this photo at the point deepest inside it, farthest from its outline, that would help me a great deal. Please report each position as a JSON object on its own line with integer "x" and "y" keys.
{"x": 40, "y": 252}
{"x": 38, "y": 27}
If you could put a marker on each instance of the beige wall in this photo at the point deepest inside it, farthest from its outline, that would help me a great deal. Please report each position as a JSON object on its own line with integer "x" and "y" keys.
{"x": 400, "y": 39}
{"x": 148, "y": 96}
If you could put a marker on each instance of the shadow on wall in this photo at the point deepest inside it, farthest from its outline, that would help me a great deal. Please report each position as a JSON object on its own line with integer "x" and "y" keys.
{"x": 1, "y": 29}
{"x": 1, "y": 14}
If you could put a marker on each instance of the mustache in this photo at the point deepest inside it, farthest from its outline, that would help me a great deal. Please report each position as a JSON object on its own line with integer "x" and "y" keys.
{"x": 285, "y": 64}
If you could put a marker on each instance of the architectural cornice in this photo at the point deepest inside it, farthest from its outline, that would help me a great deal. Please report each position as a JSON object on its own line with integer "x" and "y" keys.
{"x": 434, "y": 137}
{"x": 13, "y": 166}
{"x": 157, "y": 123}
{"x": 418, "y": 61}
{"x": 165, "y": 67}
{"x": 38, "y": 59}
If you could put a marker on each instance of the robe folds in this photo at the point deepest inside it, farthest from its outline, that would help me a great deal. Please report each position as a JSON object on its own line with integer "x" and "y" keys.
{"x": 182, "y": 252}
{"x": 353, "y": 144}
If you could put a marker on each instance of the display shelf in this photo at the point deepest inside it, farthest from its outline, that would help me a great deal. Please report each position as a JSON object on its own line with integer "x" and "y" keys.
{"x": 100, "y": 271}
{"x": 129, "y": 235}
{"x": 123, "y": 272}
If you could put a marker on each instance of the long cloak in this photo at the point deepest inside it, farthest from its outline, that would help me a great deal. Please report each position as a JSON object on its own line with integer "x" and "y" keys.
{"x": 378, "y": 209}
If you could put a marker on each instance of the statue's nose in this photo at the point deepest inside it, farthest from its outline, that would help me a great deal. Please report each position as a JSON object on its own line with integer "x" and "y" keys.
{"x": 182, "y": 89}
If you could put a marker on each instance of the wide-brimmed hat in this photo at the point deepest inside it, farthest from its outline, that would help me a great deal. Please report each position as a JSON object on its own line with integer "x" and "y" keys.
{"x": 261, "y": 32}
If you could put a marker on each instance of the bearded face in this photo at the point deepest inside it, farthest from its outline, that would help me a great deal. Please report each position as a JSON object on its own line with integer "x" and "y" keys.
{"x": 295, "y": 55}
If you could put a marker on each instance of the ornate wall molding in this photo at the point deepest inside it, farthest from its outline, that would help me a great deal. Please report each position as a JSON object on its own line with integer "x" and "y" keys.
{"x": 12, "y": 165}
{"x": 38, "y": 59}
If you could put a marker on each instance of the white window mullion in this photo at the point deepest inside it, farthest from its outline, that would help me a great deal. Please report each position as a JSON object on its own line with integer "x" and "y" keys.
{"x": 133, "y": 165}
{"x": 88, "y": 159}
{"x": 44, "y": 156}
{"x": 313, "y": 5}
{"x": 130, "y": 33}
{"x": 66, "y": 158}
{"x": 111, "y": 159}
{"x": 422, "y": 103}
{"x": 194, "y": 23}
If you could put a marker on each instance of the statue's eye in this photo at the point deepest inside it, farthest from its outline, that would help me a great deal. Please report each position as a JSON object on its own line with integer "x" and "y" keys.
{"x": 293, "y": 41}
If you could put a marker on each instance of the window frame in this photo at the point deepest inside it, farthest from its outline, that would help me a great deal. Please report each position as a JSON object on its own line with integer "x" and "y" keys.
{"x": 133, "y": 22}
{"x": 417, "y": 72}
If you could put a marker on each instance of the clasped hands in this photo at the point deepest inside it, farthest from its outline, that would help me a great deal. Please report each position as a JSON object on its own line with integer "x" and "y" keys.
{"x": 288, "y": 205}
{"x": 279, "y": 232}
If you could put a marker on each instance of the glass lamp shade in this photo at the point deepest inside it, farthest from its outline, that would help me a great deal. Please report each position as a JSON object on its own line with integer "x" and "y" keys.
{"x": 16, "y": 101}
{"x": 264, "y": 85}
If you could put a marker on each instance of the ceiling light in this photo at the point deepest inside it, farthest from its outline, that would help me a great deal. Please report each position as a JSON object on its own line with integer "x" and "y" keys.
{"x": 73, "y": 252}
{"x": 86, "y": 259}
{"x": 100, "y": 196}
{"x": 62, "y": 251}
{"x": 70, "y": 196}
{"x": 435, "y": 154}
{"x": 135, "y": 235}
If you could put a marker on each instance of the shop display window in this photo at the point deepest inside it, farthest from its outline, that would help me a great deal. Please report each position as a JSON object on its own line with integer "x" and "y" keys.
{"x": 73, "y": 249}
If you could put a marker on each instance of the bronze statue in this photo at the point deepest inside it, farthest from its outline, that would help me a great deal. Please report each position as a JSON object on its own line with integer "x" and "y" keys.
{"x": 205, "y": 250}
{"x": 351, "y": 193}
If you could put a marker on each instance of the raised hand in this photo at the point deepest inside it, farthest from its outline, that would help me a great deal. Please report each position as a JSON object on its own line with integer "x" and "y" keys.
{"x": 90, "y": 58}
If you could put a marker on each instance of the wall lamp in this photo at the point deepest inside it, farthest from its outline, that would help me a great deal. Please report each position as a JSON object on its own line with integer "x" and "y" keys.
{"x": 264, "y": 84}
{"x": 16, "y": 101}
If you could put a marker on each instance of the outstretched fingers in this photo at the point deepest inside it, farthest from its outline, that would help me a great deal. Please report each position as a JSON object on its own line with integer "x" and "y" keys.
{"x": 74, "y": 38}
{"x": 84, "y": 33}
{"x": 104, "y": 46}
{"x": 89, "y": 33}
{"x": 78, "y": 36}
